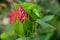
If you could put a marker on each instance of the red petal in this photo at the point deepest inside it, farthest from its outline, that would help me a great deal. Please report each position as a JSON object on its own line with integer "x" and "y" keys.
{"x": 12, "y": 14}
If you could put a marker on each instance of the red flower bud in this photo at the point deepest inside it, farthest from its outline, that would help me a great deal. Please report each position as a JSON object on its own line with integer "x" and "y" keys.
{"x": 20, "y": 14}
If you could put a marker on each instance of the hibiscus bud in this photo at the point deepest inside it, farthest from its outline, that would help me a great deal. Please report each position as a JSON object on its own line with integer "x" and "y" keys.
{"x": 19, "y": 13}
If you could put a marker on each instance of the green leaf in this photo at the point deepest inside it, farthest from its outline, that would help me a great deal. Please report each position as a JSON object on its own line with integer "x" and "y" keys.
{"x": 33, "y": 15}
{"x": 28, "y": 7}
{"x": 45, "y": 27}
{"x": 48, "y": 18}
{"x": 18, "y": 26}
{"x": 27, "y": 27}
{"x": 15, "y": 5}
{"x": 5, "y": 35}
{"x": 43, "y": 23}
{"x": 36, "y": 11}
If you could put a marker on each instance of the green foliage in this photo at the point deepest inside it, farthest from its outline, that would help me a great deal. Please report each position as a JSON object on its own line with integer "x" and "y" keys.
{"x": 27, "y": 27}
{"x": 48, "y": 18}
{"x": 45, "y": 26}
{"x": 41, "y": 25}
{"x": 32, "y": 10}
{"x": 18, "y": 27}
